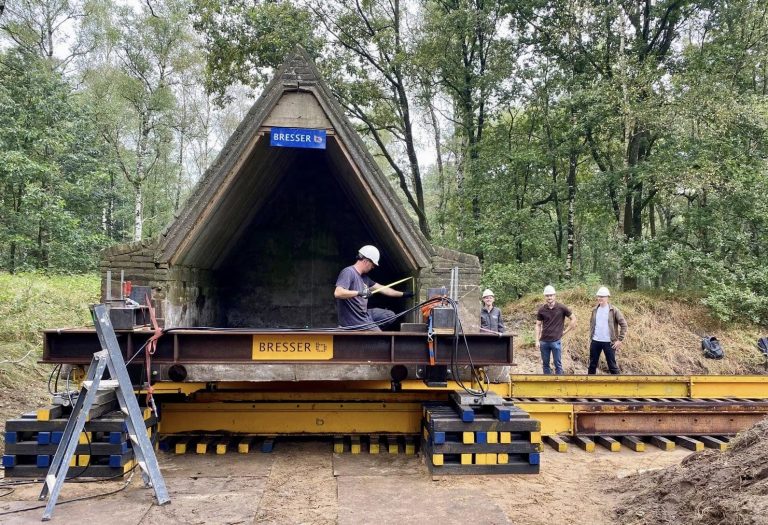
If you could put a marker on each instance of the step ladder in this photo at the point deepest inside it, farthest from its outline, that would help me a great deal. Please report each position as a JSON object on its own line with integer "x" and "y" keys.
{"x": 109, "y": 358}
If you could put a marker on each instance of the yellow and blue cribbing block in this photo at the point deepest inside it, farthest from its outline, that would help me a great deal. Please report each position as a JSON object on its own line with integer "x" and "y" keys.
{"x": 244, "y": 446}
{"x": 374, "y": 444}
{"x": 484, "y": 445}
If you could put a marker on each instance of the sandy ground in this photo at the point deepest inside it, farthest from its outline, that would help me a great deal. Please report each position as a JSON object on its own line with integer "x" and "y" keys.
{"x": 303, "y": 482}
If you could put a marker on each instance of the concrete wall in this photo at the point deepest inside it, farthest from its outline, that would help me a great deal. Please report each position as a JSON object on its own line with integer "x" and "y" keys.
{"x": 181, "y": 296}
{"x": 439, "y": 275}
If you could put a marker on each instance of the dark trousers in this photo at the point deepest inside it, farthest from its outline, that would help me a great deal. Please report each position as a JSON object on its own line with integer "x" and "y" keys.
{"x": 379, "y": 314}
{"x": 595, "y": 349}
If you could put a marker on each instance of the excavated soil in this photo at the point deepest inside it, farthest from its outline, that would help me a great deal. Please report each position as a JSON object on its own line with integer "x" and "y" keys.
{"x": 707, "y": 488}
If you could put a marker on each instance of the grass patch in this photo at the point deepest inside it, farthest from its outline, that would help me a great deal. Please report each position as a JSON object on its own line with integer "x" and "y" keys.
{"x": 30, "y": 303}
{"x": 664, "y": 335}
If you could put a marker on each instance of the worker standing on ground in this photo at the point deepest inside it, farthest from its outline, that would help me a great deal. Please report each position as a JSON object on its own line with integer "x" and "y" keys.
{"x": 354, "y": 287}
{"x": 490, "y": 316}
{"x": 608, "y": 329}
{"x": 550, "y": 329}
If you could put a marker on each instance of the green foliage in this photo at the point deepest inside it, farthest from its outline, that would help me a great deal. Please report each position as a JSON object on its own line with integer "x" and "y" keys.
{"x": 511, "y": 281}
{"x": 579, "y": 142}
{"x": 32, "y": 302}
{"x": 243, "y": 40}
{"x": 740, "y": 297}
{"x": 45, "y": 218}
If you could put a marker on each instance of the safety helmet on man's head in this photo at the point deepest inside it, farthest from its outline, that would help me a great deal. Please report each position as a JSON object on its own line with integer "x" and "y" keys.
{"x": 369, "y": 252}
{"x": 549, "y": 290}
{"x": 603, "y": 292}
{"x": 488, "y": 293}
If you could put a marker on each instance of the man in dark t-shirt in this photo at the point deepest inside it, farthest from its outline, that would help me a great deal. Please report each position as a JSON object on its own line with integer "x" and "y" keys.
{"x": 354, "y": 287}
{"x": 550, "y": 321}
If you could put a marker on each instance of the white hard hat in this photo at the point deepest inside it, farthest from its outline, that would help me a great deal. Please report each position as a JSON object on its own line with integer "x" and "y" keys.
{"x": 370, "y": 252}
{"x": 549, "y": 290}
{"x": 488, "y": 292}
{"x": 603, "y": 292}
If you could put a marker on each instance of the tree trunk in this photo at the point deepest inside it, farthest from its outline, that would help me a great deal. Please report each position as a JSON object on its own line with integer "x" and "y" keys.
{"x": 558, "y": 213}
{"x": 138, "y": 211}
{"x": 12, "y": 259}
{"x": 441, "y": 195}
{"x": 573, "y": 160}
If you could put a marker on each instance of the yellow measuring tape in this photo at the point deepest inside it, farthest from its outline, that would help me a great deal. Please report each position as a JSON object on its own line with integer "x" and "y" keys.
{"x": 390, "y": 285}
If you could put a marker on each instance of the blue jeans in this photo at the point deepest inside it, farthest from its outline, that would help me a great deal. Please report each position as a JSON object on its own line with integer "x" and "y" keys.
{"x": 553, "y": 348}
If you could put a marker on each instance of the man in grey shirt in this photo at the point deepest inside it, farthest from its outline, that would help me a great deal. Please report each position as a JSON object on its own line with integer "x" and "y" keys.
{"x": 354, "y": 287}
{"x": 608, "y": 328}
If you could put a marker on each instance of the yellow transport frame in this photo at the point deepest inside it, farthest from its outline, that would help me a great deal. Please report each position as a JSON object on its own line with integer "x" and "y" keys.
{"x": 370, "y": 407}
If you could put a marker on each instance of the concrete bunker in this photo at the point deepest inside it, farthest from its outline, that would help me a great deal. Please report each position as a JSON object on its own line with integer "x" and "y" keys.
{"x": 262, "y": 238}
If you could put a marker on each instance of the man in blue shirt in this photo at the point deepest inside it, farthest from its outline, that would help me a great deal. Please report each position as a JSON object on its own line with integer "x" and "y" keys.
{"x": 354, "y": 287}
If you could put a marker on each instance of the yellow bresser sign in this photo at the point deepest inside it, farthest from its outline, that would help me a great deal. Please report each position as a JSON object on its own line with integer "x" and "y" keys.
{"x": 292, "y": 347}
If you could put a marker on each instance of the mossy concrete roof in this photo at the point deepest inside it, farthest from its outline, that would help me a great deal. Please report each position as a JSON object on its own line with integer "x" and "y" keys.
{"x": 248, "y": 171}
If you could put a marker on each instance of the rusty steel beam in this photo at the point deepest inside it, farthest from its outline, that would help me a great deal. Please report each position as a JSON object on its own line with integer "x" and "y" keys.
{"x": 240, "y": 346}
{"x": 692, "y": 418}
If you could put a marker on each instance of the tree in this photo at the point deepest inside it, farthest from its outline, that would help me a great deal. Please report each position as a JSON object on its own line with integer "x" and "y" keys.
{"x": 243, "y": 40}
{"x": 135, "y": 95}
{"x": 47, "y": 158}
{"x": 377, "y": 82}
{"x": 626, "y": 48}
{"x": 471, "y": 59}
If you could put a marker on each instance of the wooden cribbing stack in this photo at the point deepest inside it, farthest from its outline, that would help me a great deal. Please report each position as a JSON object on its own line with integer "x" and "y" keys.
{"x": 491, "y": 438}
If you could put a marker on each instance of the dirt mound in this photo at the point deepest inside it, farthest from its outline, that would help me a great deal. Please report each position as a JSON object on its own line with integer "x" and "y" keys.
{"x": 664, "y": 335}
{"x": 707, "y": 488}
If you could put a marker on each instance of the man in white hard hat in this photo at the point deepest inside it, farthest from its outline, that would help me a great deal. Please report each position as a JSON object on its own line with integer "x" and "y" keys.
{"x": 354, "y": 287}
{"x": 608, "y": 329}
{"x": 490, "y": 316}
{"x": 550, "y": 329}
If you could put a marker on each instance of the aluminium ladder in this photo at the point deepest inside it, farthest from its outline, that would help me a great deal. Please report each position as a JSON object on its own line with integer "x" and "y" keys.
{"x": 109, "y": 358}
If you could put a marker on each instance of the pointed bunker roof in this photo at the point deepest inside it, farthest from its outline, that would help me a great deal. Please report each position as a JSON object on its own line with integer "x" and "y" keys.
{"x": 248, "y": 171}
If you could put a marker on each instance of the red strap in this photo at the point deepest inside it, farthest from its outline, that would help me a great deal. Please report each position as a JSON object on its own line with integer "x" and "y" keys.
{"x": 150, "y": 349}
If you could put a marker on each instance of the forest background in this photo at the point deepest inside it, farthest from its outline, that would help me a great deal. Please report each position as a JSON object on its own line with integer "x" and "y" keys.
{"x": 561, "y": 141}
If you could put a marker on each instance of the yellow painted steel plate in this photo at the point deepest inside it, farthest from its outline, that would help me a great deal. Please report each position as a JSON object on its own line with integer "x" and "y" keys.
{"x": 292, "y": 347}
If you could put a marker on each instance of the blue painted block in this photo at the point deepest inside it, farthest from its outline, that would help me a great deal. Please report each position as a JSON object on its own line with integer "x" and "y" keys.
{"x": 115, "y": 460}
{"x": 43, "y": 438}
{"x": 9, "y": 460}
{"x": 11, "y": 438}
{"x": 502, "y": 413}
{"x": 56, "y": 436}
{"x": 438, "y": 438}
{"x": 467, "y": 414}
{"x": 43, "y": 460}
{"x": 481, "y": 437}
{"x": 165, "y": 445}
{"x": 115, "y": 437}
{"x": 534, "y": 458}
{"x": 267, "y": 446}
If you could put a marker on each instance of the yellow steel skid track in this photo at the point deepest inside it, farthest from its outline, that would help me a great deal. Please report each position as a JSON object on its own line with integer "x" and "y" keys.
{"x": 638, "y": 386}
{"x": 351, "y": 407}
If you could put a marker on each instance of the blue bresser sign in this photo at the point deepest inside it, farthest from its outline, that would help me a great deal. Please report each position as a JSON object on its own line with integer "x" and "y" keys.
{"x": 297, "y": 138}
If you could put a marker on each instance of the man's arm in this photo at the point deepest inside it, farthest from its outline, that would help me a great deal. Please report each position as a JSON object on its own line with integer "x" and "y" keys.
{"x": 539, "y": 324}
{"x": 343, "y": 293}
{"x": 501, "y": 323}
{"x": 385, "y": 290}
{"x": 622, "y": 324}
{"x": 344, "y": 284}
{"x": 571, "y": 323}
